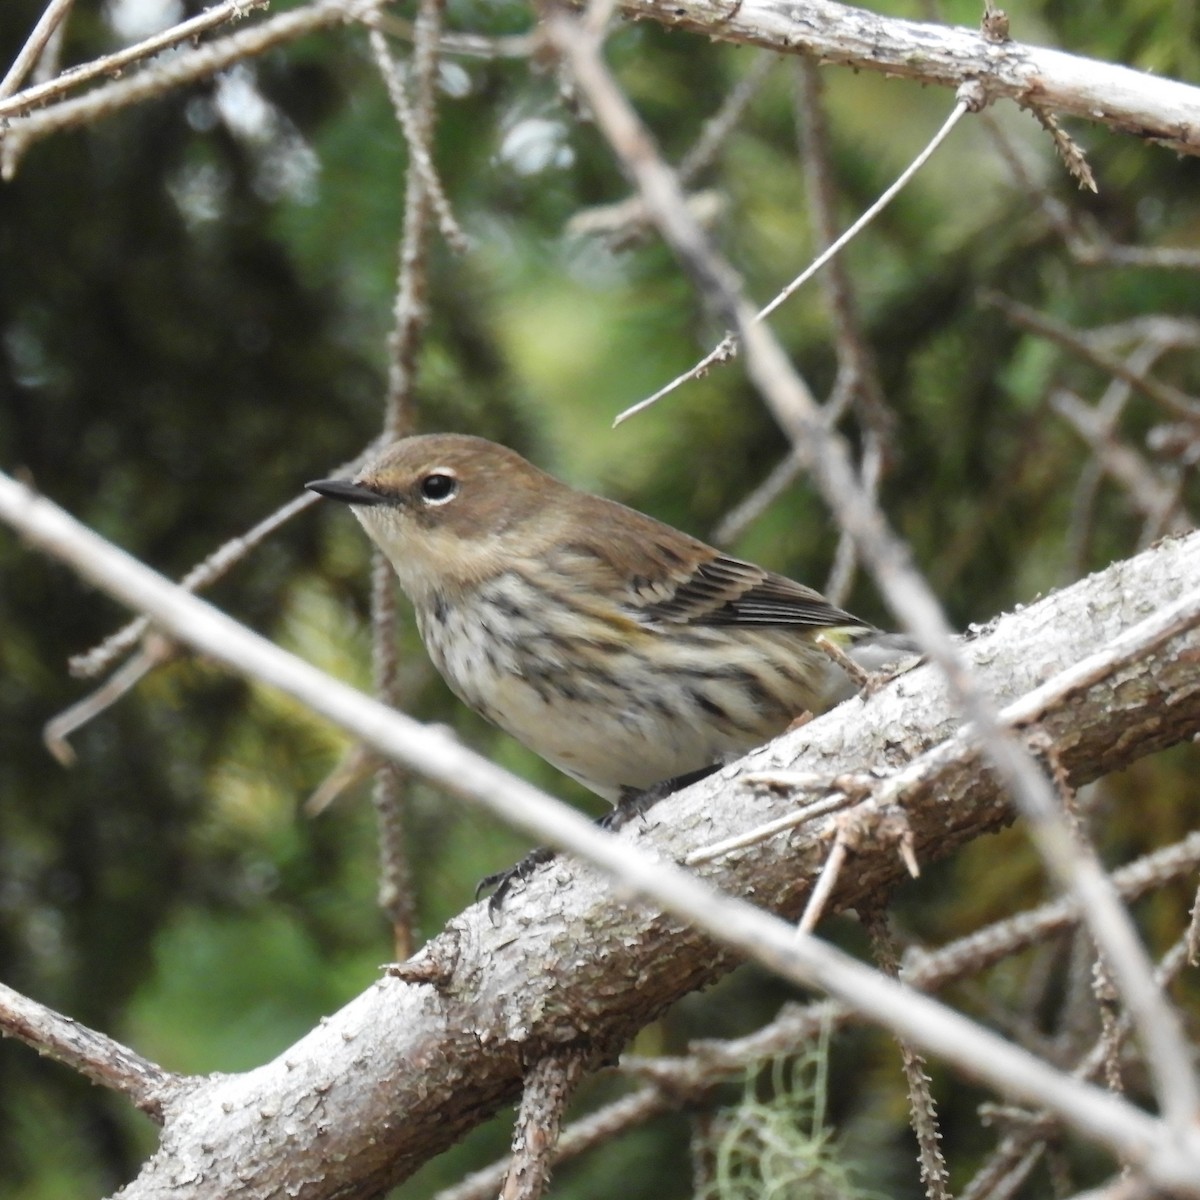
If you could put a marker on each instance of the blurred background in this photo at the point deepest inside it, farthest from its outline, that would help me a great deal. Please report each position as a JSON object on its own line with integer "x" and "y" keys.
{"x": 195, "y": 298}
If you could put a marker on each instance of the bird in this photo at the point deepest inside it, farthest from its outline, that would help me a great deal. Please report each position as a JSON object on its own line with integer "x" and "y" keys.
{"x": 626, "y": 653}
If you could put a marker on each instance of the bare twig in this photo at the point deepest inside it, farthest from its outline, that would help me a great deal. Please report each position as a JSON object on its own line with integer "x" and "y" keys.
{"x": 739, "y": 518}
{"x": 113, "y": 64}
{"x": 202, "y": 575}
{"x": 410, "y": 318}
{"x": 1068, "y": 149}
{"x": 719, "y": 126}
{"x": 548, "y": 1089}
{"x": 864, "y": 824}
{"x": 462, "y": 44}
{"x": 922, "y": 1109}
{"x": 417, "y": 127}
{"x": 53, "y": 16}
{"x": 728, "y": 348}
{"x": 154, "y": 652}
{"x": 595, "y": 1129}
{"x": 92, "y": 1054}
{"x": 841, "y": 572}
{"x": 1193, "y": 937}
{"x": 809, "y": 812}
{"x": 824, "y": 886}
{"x": 856, "y": 362}
{"x": 1024, "y": 317}
{"x": 186, "y": 67}
{"x": 1087, "y": 488}
{"x": 1158, "y": 500}
{"x": 625, "y": 220}
{"x": 1094, "y": 253}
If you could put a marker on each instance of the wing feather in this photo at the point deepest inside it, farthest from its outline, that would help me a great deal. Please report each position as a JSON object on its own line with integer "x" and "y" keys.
{"x": 728, "y": 591}
{"x": 673, "y": 579}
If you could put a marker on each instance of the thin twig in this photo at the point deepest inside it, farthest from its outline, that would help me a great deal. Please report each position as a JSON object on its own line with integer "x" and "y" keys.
{"x": 624, "y": 220}
{"x": 856, "y": 362}
{"x": 1024, "y": 317}
{"x": 922, "y": 1109}
{"x": 1069, "y": 151}
{"x": 845, "y": 557}
{"x": 739, "y": 518}
{"x": 55, "y": 13}
{"x": 1158, "y": 499}
{"x": 417, "y": 132}
{"x": 752, "y": 837}
{"x": 1193, "y": 937}
{"x": 462, "y": 44}
{"x": 595, "y": 1129}
{"x": 1087, "y": 487}
{"x": 722, "y": 123}
{"x": 728, "y": 347}
{"x": 94, "y": 1055}
{"x": 410, "y": 319}
{"x": 113, "y": 64}
{"x": 154, "y": 652}
{"x": 203, "y": 575}
{"x": 823, "y": 888}
{"x": 857, "y": 380}
{"x": 186, "y": 67}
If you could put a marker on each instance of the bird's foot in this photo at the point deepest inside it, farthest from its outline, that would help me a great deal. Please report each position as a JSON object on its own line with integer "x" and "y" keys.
{"x": 502, "y": 881}
{"x": 633, "y": 802}
{"x": 636, "y": 802}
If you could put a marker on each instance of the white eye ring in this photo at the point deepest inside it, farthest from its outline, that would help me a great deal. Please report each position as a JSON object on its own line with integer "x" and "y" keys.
{"x": 438, "y": 486}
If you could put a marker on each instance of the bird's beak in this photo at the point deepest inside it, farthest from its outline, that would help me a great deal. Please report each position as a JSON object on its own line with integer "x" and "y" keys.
{"x": 347, "y": 492}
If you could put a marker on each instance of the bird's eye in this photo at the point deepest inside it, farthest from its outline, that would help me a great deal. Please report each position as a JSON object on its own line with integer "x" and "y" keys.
{"x": 437, "y": 487}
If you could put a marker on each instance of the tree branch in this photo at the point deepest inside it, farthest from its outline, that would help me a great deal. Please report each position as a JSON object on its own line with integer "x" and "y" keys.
{"x": 354, "y": 1106}
{"x": 1123, "y": 99}
{"x": 92, "y": 1054}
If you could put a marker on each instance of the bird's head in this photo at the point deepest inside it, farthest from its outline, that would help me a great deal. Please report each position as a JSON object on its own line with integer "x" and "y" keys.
{"x": 448, "y": 509}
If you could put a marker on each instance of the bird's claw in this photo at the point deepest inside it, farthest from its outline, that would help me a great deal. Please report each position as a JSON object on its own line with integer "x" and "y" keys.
{"x": 634, "y": 802}
{"x": 502, "y": 881}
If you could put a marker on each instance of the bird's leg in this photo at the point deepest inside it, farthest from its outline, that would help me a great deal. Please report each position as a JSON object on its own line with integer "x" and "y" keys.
{"x": 633, "y": 802}
{"x": 636, "y": 802}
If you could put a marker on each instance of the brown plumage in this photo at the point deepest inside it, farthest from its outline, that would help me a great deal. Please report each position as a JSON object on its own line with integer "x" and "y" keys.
{"x": 617, "y": 647}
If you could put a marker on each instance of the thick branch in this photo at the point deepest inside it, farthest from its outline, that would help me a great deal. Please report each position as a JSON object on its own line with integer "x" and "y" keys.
{"x": 405, "y": 1070}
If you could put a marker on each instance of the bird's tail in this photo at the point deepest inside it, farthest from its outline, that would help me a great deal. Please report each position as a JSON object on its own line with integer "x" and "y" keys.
{"x": 875, "y": 652}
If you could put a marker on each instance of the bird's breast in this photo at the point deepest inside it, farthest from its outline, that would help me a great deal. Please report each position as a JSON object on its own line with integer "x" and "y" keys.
{"x": 607, "y": 701}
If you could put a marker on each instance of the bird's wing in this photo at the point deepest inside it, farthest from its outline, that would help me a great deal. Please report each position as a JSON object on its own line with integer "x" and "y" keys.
{"x": 670, "y": 578}
{"x": 727, "y": 591}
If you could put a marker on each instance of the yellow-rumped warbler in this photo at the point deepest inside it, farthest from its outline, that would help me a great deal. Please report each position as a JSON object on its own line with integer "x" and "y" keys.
{"x": 622, "y": 651}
